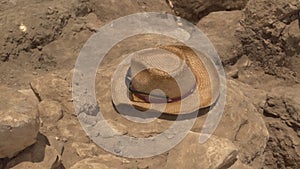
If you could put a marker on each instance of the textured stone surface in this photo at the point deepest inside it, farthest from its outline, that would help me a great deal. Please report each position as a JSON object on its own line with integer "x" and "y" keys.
{"x": 56, "y": 89}
{"x": 282, "y": 111}
{"x": 224, "y": 40}
{"x": 264, "y": 40}
{"x": 239, "y": 165}
{"x": 84, "y": 150}
{"x": 242, "y": 124}
{"x": 51, "y": 87}
{"x": 291, "y": 38}
{"x": 101, "y": 162}
{"x": 194, "y": 10}
{"x": 50, "y": 111}
{"x": 108, "y": 9}
{"x": 19, "y": 121}
{"x": 38, "y": 156}
{"x": 215, "y": 153}
{"x": 89, "y": 163}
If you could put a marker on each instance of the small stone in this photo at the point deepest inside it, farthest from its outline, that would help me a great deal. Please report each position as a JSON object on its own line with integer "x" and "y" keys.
{"x": 4, "y": 57}
{"x": 50, "y": 111}
{"x": 233, "y": 72}
{"x": 65, "y": 140}
{"x": 243, "y": 62}
{"x": 77, "y": 28}
{"x": 270, "y": 113}
{"x": 118, "y": 151}
{"x": 50, "y": 11}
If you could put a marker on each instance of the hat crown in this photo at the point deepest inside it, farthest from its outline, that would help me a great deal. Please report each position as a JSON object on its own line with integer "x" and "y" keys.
{"x": 160, "y": 69}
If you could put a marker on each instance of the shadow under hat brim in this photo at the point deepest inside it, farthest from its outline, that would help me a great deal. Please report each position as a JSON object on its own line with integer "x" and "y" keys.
{"x": 200, "y": 98}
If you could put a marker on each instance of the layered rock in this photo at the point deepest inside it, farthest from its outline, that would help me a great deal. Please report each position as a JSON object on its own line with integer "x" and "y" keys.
{"x": 263, "y": 41}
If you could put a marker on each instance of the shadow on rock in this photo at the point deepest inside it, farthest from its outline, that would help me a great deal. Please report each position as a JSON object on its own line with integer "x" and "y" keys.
{"x": 39, "y": 155}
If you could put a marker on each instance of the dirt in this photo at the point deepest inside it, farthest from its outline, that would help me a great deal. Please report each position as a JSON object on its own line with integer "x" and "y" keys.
{"x": 42, "y": 37}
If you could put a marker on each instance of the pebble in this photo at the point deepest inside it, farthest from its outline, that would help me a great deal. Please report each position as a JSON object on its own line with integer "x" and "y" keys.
{"x": 118, "y": 151}
{"x": 39, "y": 48}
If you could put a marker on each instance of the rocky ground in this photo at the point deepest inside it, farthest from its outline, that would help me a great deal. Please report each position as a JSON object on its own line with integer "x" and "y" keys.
{"x": 257, "y": 40}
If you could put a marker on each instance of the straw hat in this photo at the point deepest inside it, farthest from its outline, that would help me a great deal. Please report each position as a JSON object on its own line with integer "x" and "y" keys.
{"x": 176, "y": 70}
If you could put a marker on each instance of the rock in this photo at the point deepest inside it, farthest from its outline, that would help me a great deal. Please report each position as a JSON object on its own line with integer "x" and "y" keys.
{"x": 256, "y": 96}
{"x": 54, "y": 88}
{"x": 274, "y": 107}
{"x": 224, "y": 40}
{"x": 258, "y": 79}
{"x": 93, "y": 24}
{"x": 291, "y": 38}
{"x": 3, "y": 162}
{"x": 263, "y": 41}
{"x": 282, "y": 111}
{"x": 232, "y": 72}
{"x": 100, "y": 162}
{"x": 30, "y": 94}
{"x": 242, "y": 63}
{"x": 215, "y": 153}
{"x": 90, "y": 163}
{"x": 40, "y": 155}
{"x": 193, "y": 10}
{"x": 263, "y": 12}
{"x": 19, "y": 121}
{"x": 84, "y": 150}
{"x": 50, "y": 111}
{"x": 242, "y": 124}
{"x": 51, "y": 87}
{"x": 108, "y": 10}
{"x": 239, "y": 165}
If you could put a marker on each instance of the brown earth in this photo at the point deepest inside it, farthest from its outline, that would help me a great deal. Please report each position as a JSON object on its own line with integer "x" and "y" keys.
{"x": 258, "y": 42}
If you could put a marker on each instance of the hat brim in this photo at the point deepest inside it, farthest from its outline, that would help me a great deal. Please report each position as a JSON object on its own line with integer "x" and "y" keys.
{"x": 205, "y": 94}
